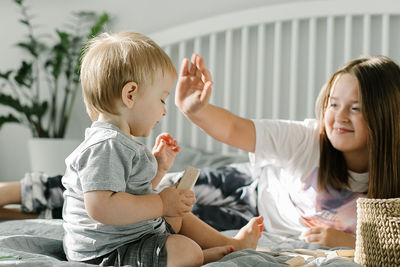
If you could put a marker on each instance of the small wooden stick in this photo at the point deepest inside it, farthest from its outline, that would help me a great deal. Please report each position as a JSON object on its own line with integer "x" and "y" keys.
{"x": 263, "y": 249}
{"x": 310, "y": 252}
{"x": 295, "y": 262}
{"x": 345, "y": 252}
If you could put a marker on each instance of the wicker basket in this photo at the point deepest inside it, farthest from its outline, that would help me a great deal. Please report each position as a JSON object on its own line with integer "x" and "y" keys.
{"x": 378, "y": 232}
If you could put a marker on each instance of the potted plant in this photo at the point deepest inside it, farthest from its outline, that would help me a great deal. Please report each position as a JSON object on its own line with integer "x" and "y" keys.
{"x": 41, "y": 92}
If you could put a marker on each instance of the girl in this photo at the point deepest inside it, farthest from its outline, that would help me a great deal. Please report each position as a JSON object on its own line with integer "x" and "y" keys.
{"x": 312, "y": 172}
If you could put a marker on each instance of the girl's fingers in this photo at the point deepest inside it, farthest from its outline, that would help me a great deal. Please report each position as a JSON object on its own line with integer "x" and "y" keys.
{"x": 312, "y": 238}
{"x": 184, "y": 67}
{"x": 192, "y": 69}
{"x": 206, "y": 93}
{"x": 206, "y": 75}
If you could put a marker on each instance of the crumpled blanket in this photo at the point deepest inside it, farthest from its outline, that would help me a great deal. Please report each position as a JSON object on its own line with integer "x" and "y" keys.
{"x": 226, "y": 197}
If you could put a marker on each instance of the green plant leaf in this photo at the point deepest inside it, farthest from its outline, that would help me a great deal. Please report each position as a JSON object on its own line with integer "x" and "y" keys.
{"x": 52, "y": 66}
{"x": 24, "y": 75}
{"x": 25, "y": 21}
{"x": 39, "y": 109}
{"x": 28, "y": 47}
{"x": 11, "y": 102}
{"x": 6, "y": 75}
{"x": 19, "y": 2}
{"x": 103, "y": 19}
{"x": 8, "y": 119}
{"x": 59, "y": 52}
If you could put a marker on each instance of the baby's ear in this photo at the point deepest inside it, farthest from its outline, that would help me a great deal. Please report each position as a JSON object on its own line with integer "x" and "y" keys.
{"x": 128, "y": 94}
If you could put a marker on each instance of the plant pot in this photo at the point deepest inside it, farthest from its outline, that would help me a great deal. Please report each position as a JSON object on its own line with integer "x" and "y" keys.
{"x": 48, "y": 154}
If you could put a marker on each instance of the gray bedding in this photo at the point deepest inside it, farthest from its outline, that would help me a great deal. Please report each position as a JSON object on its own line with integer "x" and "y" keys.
{"x": 39, "y": 243}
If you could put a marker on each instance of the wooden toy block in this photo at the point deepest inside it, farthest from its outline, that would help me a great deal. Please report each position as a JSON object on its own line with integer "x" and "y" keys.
{"x": 189, "y": 178}
{"x": 295, "y": 262}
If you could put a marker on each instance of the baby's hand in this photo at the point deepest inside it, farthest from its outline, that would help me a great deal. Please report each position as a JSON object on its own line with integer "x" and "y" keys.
{"x": 176, "y": 202}
{"x": 193, "y": 88}
{"x": 165, "y": 151}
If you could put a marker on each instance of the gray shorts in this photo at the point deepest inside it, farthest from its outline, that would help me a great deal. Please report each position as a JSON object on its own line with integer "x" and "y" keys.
{"x": 148, "y": 251}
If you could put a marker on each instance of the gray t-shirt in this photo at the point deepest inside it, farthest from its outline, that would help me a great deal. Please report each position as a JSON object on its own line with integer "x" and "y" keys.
{"x": 106, "y": 160}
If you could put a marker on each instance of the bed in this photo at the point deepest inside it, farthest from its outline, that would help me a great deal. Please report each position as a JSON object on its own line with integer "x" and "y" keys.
{"x": 268, "y": 62}
{"x": 38, "y": 242}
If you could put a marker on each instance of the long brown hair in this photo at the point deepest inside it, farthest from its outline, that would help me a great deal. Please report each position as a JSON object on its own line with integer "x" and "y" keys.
{"x": 379, "y": 90}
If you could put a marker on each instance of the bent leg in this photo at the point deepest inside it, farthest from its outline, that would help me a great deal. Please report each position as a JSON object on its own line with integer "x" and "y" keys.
{"x": 208, "y": 237}
{"x": 10, "y": 193}
{"x": 182, "y": 251}
{"x": 36, "y": 192}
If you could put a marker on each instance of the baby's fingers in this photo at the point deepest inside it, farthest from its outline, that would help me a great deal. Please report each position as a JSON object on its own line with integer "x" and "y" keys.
{"x": 159, "y": 147}
{"x": 189, "y": 201}
{"x": 177, "y": 148}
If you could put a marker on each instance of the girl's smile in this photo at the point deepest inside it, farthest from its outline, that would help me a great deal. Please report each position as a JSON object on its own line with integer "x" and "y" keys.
{"x": 343, "y": 130}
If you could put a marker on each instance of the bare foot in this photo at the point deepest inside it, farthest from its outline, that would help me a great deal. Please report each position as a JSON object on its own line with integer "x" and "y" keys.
{"x": 216, "y": 253}
{"x": 249, "y": 235}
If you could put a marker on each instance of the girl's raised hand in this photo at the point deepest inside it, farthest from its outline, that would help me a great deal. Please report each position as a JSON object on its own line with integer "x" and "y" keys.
{"x": 193, "y": 89}
{"x": 165, "y": 150}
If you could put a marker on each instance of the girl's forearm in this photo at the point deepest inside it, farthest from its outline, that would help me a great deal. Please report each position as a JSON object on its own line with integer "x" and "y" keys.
{"x": 120, "y": 208}
{"x": 225, "y": 127}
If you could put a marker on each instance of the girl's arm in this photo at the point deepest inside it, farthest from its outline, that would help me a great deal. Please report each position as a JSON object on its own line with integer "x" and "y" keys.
{"x": 226, "y": 127}
{"x": 193, "y": 92}
{"x": 121, "y": 208}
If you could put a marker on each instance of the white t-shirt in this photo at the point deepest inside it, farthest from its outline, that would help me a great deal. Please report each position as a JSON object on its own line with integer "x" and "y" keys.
{"x": 286, "y": 162}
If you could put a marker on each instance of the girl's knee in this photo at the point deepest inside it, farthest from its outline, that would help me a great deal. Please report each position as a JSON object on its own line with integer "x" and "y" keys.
{"x": 183, "y": 251}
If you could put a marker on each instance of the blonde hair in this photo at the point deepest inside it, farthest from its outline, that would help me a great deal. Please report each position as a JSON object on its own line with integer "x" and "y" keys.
{"x": 112, "y": 60}
{"x": 379, "y": 89}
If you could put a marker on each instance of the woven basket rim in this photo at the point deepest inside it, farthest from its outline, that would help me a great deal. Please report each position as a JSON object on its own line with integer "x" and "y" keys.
{"x": 378, "y": 200}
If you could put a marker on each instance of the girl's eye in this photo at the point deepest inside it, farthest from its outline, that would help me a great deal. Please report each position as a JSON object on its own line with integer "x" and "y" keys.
{"x": 332, "y": 105}
{"x": 162, "y": 101}
{"x": 356, "y": 108}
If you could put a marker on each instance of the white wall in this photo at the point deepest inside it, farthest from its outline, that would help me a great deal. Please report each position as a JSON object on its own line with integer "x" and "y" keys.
{"x": 136, "y": 15}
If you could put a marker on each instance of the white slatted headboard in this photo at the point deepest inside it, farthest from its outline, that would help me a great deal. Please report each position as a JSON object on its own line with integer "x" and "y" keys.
{"x": 271, "y": 62}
